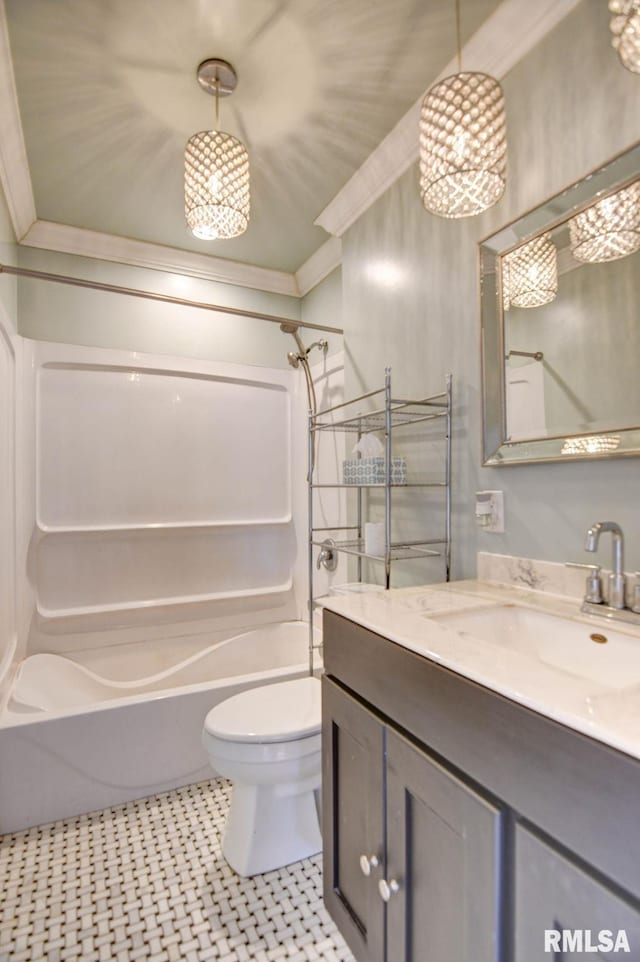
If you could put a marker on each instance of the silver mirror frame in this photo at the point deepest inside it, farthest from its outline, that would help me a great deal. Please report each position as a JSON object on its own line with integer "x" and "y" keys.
{"x": 496, "y": 449}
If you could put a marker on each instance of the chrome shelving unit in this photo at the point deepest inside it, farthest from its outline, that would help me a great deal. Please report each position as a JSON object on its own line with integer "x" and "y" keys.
{"x": 392, "y": 415}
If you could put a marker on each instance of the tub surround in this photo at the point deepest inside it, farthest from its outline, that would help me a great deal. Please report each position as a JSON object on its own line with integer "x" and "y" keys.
{"x": 609, "y": 713}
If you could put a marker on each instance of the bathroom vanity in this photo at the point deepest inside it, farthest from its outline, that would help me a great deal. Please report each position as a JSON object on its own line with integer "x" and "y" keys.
{"x": 459, "y": 824}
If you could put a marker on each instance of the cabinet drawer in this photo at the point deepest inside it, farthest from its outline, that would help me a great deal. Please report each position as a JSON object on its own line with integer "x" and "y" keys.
{"x": 554, "y": 896}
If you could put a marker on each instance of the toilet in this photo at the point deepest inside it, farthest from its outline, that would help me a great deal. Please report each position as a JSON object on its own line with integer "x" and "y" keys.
{"x": 267, "y": 741}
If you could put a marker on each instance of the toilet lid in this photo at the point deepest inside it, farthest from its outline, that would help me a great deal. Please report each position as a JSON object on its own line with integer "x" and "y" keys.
{"x": 271, "y": 713}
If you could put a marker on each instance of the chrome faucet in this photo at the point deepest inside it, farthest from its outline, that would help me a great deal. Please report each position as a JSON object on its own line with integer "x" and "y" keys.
{"x": 616, "y": 578}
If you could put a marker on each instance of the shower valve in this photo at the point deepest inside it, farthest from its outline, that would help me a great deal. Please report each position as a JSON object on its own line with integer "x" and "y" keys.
{"x": 328, "y": 556}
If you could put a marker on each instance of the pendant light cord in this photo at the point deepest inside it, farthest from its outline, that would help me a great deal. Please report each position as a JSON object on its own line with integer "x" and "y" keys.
{"x": 458, "y": 36}
{"x": 217, "y": 102}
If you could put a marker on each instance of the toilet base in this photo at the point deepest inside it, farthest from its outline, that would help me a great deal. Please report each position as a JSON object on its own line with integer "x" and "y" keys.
{"x": 267, "y": 829}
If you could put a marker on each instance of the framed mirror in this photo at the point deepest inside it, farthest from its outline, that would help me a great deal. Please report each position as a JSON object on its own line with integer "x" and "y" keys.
{"x": 560, "y": 324}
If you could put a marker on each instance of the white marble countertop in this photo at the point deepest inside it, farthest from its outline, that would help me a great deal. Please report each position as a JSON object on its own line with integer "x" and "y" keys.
{"x": 408, "y": 616}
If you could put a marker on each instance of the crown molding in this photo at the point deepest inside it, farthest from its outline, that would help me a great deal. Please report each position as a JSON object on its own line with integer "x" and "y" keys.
{"x": 319, "y": 265}
{"x": 65, "y": 239}
{"x": 14, "y": 169}
{"x": 511, "y": 31}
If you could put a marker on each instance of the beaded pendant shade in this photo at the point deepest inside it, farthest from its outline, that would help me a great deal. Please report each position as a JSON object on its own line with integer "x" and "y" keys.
{"x": 530, "y": 273}
{"x": 216, "y": 168}
{"x": 625, "y": 28}
{"x": 463, "y": 145}
{"x": 609, "y": 229}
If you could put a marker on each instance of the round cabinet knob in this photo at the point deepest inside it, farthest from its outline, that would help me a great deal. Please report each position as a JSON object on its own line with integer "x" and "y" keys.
{"x": 367, "y": 863}
{"x": 387, "y": 889}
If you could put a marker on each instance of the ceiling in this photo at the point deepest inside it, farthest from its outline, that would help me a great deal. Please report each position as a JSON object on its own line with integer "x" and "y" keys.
{"x": 108, "y": 98}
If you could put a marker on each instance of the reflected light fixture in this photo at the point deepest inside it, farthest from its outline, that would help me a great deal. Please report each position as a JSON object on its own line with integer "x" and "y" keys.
{"x": 530, "y": 273}
{"x": 463, "y": 142}
{"x": 625, "y": 28}
{"x": 609, "y": 229}
{"x": 216, "y": 167}
{"x": 596, "y": 444}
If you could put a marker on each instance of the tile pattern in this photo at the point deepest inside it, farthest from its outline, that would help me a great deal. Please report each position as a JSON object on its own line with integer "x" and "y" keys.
{"x": 147, "y": 881}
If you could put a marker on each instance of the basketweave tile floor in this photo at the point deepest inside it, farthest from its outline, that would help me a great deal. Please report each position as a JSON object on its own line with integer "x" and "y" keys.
{"x": 147, "y": 881}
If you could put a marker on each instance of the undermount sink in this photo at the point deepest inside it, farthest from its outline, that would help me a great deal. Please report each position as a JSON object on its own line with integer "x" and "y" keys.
{"x": 609, "y": 658}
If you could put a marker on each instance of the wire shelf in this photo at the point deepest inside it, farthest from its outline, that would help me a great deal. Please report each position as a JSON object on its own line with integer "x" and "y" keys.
{"x": 375, "y": 421}
{"x": 350, "y": 417}
{"x": 404, "y": 551}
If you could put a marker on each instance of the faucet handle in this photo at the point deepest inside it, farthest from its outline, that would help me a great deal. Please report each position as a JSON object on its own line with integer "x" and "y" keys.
{"x": 593, "y": 585}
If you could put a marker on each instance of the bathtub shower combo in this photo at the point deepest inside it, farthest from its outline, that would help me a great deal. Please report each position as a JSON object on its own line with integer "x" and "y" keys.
{"x": 161, "y": 530}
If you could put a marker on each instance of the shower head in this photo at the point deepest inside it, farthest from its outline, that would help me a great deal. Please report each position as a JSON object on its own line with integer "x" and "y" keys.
{"x": 293, "y": 330}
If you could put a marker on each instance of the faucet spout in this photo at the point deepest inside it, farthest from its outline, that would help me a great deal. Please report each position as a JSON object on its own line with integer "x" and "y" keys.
{"x": 616, "y": 578}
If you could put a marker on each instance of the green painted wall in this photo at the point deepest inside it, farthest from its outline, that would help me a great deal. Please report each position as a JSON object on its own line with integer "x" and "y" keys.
{"x": 72, "y": 315}
{"x": 8, "y": 255}
{"x": 410, "y": 292}
{"x": 323, "y": 305}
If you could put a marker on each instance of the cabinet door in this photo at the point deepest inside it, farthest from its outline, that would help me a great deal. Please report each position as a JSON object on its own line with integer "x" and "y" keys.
{"x": 352, "y": 801}
{"x": 562, "y": 913}
{"x": 444, "y": 847}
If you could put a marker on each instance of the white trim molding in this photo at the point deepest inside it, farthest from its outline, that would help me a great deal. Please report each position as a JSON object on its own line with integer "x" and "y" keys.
{"x": 14, "y": 168}
{"x": 46, "y": 235}
{"x": 512, "y": 30}
{"x": 319, "y": 265}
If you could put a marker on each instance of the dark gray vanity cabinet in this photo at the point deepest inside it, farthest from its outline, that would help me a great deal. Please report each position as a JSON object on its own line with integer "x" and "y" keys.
{"x": 555, "y": 896}
{"x": 487, "y": 827}
{"x": 411, "y": 861}
{"x": 353, "y": 814}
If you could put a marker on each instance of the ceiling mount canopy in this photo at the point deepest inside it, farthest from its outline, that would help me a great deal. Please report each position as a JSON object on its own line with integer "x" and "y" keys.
{"x": 216, "y": 167}
{"x": 217, "y": 77}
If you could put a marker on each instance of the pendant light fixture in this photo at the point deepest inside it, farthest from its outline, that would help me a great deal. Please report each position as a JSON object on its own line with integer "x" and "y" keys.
{"x": 609, "y": 229}
{"x": 463, "y": 142}
{"x": 216, "y": 167}
{"x": 625, "y": 27}
{"x": 531, "y": 274}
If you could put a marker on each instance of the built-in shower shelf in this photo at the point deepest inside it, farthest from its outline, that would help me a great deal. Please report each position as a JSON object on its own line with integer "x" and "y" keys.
{"x": 53, "y": 614}
{"x": 161, "y": 525}
{"x": 400, "y": 551}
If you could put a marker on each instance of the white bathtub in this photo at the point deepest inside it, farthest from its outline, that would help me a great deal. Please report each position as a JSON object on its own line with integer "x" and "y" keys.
{"x": 95, "y": 729}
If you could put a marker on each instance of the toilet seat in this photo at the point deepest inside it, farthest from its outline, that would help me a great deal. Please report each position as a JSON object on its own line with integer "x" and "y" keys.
{"x": 268, "y": 742}
{"x": 286, "y": 712}
{"x": 257, "y": 753}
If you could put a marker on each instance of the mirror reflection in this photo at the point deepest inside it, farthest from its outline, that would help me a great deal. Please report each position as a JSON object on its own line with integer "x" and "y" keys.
{"x": 572, "y": 333}
{"x": 561, "y": 324}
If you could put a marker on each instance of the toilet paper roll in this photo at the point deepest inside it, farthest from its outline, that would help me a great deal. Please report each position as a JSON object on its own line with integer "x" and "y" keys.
{"x": 374, "y": 541}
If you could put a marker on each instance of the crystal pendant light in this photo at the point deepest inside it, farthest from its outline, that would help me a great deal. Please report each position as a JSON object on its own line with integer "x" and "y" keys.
{"x": 216, "y": 168}
{"x": 609, "y": 229}
{"x": 531, "y": 275}
{"x": 463, "y": 142}
{"x": 625, "y": 27}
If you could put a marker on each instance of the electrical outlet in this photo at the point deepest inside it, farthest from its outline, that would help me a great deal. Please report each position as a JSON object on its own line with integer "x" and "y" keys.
{"x": 490, "y": 511}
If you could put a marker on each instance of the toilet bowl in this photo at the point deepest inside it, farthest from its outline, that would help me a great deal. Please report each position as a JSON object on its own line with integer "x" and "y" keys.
{"x": 267, "y": 741}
